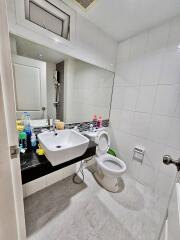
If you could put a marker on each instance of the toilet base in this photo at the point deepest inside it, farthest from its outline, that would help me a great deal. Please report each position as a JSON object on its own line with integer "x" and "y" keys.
{"x": 110, "y": 183}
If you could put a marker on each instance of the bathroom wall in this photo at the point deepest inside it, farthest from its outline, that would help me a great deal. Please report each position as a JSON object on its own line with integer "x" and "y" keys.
{"x": 146, "y": 103}
{"x": 90, "y": 91}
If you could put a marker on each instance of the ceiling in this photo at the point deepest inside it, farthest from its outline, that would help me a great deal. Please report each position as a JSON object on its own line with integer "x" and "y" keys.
{"x": 36, "y": 51}
{"x": 122, "y": 19}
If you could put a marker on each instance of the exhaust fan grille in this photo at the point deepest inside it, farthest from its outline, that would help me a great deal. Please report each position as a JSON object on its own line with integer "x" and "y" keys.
{"x": 85, "y": 3}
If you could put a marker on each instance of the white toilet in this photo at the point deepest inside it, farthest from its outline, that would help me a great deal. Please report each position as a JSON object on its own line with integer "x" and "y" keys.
{"x": 109, "y": 168}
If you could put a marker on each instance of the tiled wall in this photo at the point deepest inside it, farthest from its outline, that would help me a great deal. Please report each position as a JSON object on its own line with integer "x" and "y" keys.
{"x": 146, "y": 103}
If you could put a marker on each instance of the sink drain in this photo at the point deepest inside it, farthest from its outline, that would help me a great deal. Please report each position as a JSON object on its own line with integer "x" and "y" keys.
{"x": 58, "y": 146}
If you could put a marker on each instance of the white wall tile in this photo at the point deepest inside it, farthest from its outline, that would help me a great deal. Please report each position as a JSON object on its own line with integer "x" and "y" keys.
{"x": 133, "y": 72}
{"x": 166, "y": 99}
{"x": 149, "y": 62}
{"x": 154, "y": 154}
{"x": 115, "y": 118}
{"x": 123, "y": 51}
{"x": 148, "y": 176}
{"x": 130, "y": 98}
{"x": 159, "y": 128}
{"x": 134, "y": 169}
{"x": 174, "y": 134}
{"x": 138, "y": 45}
{"x": 151, "y": 69}
{"x": 170, "y": 72}
{"x": 146, "y": 99}
{"x": 125, "y": 121}
{"x": 157, "y": 38}
{"x": 163, "y": 186}
{"x": 140, "y": 124}
{"x": 174, "y": 34}
{"x": 129, "y": 72}
{"x": 118, "y": 97}
{"x": 177, "y": 112}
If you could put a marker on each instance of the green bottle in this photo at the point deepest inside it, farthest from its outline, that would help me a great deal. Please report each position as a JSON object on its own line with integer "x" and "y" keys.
{"x": 23, "y": 140}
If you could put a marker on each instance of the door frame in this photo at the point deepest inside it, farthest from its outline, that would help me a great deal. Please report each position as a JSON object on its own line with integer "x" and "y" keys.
{"x": 12, "y": 220}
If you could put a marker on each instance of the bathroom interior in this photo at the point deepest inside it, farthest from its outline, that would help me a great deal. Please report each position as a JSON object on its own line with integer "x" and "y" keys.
{"x": 94, "y": 111}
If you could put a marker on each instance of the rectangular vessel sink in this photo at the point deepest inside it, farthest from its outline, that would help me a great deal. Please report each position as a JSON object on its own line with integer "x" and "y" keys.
{"x": 63, "y": 146}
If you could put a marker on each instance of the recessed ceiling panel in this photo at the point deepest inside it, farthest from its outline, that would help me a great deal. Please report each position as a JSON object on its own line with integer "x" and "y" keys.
{"x": 122, "y": 19}
{"x": 85, "y": 3}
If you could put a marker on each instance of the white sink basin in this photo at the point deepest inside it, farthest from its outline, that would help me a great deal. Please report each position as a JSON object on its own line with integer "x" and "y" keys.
{"x": 64, "y": 146}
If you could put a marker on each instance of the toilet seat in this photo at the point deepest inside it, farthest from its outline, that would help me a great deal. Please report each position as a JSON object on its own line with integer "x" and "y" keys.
{"x": 110, "y": 165}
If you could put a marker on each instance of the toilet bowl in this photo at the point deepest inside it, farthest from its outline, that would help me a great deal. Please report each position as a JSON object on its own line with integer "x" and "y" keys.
{"x": 109, "y": 168}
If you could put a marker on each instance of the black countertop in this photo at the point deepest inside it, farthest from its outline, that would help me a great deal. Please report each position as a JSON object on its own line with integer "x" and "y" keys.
{"x": 34, "y": 166}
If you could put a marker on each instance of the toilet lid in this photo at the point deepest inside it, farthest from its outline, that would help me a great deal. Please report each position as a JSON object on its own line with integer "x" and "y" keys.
{"x": 103, "y": 142}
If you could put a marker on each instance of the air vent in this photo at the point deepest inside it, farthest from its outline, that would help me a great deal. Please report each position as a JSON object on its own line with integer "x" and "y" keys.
{"x": 48, "y": 17}
{"x": 85, "y": 3}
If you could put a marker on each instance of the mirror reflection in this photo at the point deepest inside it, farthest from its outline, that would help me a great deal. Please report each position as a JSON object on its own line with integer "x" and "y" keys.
{"x": 51, "y": 85}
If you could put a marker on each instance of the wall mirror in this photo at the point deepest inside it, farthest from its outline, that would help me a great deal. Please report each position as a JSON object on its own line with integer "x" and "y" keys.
{"x": 49, "y": 84}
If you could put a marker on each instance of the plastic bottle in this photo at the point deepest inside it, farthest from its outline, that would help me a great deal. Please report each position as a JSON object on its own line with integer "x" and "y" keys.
{"x": 99, "y": 122}
{"x": 28, "y": 133}
{"x": 33, "y": 141}
{"x": 22, "y": 140}
{"x": 27, "y": 121}
{"x": 27, "y": 128}
{"x": 95, "y": 121}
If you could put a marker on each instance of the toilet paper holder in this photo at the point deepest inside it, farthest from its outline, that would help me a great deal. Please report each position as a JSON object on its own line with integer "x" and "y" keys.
{"x": 138, "y": 153}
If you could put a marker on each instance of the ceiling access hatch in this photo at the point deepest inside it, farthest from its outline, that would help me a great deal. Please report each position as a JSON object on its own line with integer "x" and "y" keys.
{"x": 85, "y": 3}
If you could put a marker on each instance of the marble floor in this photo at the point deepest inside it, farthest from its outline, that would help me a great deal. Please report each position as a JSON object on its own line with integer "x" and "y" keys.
{"x": 68, "y": 211}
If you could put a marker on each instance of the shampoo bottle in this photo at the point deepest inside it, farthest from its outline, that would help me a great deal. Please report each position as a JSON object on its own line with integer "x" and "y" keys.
{"x": 33, "y": 141}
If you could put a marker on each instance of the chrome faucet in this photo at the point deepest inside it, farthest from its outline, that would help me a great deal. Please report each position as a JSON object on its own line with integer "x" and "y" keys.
{"x": 54, "y": 127}
{"x": 48, "y": 121}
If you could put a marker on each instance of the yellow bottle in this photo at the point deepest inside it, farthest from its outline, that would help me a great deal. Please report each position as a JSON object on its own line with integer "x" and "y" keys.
{"x": 59, "y": 125}
{"x": 40, "y": 151}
